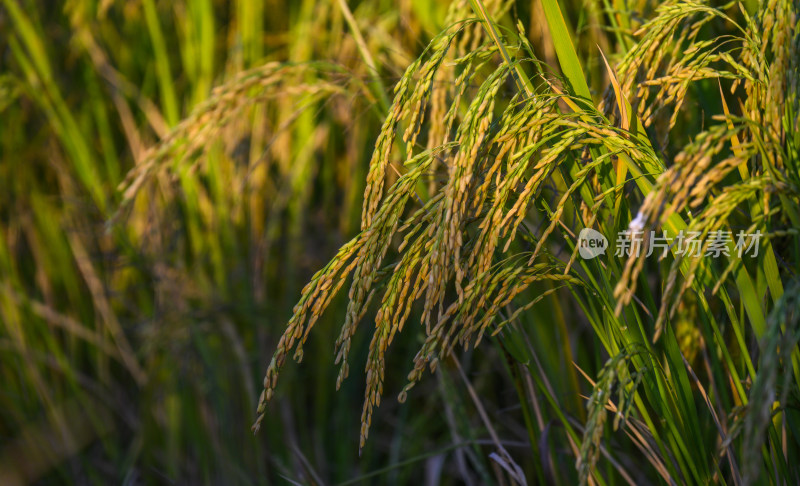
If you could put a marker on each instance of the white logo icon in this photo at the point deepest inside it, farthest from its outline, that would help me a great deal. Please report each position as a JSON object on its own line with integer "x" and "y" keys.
{"x": 591, "y": 243}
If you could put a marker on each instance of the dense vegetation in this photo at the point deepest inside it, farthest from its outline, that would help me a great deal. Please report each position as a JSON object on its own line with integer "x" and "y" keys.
{"x": 180, "y": 180}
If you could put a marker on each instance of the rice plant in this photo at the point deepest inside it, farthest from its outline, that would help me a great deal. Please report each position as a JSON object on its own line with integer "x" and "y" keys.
{"x": 521, "y": 159}
{"x": 581, "y": 217}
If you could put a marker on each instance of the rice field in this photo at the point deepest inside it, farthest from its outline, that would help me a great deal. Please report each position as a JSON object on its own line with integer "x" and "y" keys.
{"x": 418, "y": 242}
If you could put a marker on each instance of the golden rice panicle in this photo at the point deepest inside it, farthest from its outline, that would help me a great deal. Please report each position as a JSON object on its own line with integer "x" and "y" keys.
{"x": 446, "y": 235}
{"x": 411, "y": 100}
{"x": 470, "y": 139}
{"x": 378, "y": 237}
{"x": 614, "y": 375}
{"x": 448, "y": 88}
{"x": 226, "y": 101}
{"x": 315, "y": 297}
{"x": 655, "y": 74}
{"x": 383, "y": 147}
{"x": 699, "y": 168}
